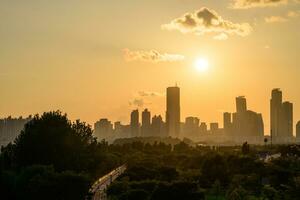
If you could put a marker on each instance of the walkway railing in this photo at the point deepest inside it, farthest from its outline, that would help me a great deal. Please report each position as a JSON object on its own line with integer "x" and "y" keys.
{"x": 99, "y": 187}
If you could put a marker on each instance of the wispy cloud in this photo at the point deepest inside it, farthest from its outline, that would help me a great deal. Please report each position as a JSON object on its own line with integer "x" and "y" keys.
{"x": 245, "y": 4}
{"x": 149, "y": 94}
{"x": 142, "y": 98}
{"x": 293, "y": 14}
{"x": 151, "y": 56}
{"x": 221, "y": 36}
{"x": 205, "y": 21}
{"x": 137, "y": 102}
{"x": 276, "y": 19}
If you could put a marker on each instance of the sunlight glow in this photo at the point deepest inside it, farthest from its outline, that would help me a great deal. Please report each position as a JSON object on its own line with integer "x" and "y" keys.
{"x": 201, "y": 64}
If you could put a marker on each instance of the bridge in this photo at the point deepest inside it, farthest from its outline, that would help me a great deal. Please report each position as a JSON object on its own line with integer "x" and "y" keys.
{"x": 99, "y": 187}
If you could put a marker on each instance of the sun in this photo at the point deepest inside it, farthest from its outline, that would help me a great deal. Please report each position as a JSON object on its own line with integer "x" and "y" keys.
{"x": 201, "y": 64}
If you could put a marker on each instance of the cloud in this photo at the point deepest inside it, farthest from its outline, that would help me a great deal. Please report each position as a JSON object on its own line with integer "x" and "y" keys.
{"x": 142, "y": 98}
{"x": 151, "y": 56}
{"x": 205, "y": 21}
{"x": 245, "y": 4}
{"x": 293, "y": 14}
{"x": 137, "y": 102}
{"x": 221, "y": 36}
{"x": 274, "y": 19}
{"x": 149, "y": 94}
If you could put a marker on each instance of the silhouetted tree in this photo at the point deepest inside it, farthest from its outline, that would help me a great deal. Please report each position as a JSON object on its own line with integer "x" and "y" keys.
{"x": 51, "y": 139}
{"x": 245, "y": 148}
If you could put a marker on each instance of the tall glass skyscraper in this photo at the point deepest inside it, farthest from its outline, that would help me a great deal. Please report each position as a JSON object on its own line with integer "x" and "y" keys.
{"x": 173, "y": 111}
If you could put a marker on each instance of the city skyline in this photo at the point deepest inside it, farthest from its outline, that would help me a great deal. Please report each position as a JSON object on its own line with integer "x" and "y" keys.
{"x": 242, "y": 125}
{"x": 136, "y": 117}
{"x": 73, "y": 57}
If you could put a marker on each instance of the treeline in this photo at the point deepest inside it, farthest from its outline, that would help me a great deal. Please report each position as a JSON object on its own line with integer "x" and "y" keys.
{"x": 159, "y": 172}
{"x": 53, "y": 158}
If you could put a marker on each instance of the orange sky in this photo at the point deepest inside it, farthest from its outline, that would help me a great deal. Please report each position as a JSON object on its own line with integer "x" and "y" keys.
{"x": 72, "y": 57}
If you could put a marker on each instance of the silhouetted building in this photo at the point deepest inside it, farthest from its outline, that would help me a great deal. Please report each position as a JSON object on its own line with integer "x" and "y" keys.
{"x": 146, "y": 123}
{"x": 286, "y": 120}
{"x": 227, "y": 123}
{"x": 298, "y": 132}
{"x": 10, "y": 128}
{"x": 246, "y": 124}
{"x": 191, "y": 127}
{"x": 103, "y": 129}
{"x": 241, "y": 104}
{"x": 173, "y": 111}
{"x": 203, "y": 128}
{"x": 134, "y": 123}
{"x": 158, "y": 127}
{"x": 214, "y": 127}
{"x": 275, "y": 108}
{"x": 121, "y": 131}
{"x": 281, "y": 114}
{"x": 118, "y": 126}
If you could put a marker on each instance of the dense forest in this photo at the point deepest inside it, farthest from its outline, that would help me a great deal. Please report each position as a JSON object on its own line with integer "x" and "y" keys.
{"x": 54, "y": 158}
{"x": 158, "y": 171}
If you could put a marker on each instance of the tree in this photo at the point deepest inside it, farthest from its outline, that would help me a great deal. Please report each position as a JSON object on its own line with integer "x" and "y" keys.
{"x": 245, "y": 148}
{"x": 51, "y": 139}
{"x": 42, "y": 182}
{"x": 214, "y": 168}
{"x": 265, "y": 141}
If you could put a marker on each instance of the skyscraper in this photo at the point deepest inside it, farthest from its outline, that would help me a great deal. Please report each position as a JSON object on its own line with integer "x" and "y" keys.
{"x": 214, "y": 127}
{"x": 247, "y": 125}
{"x": 134, "y": 123}
{"x": 286, "y": 120}
{"x": 298, "y": 131}
{"x": 275, "y": 107}
{"x": 191, "y": 127}
{"x": 203, "y": 127}
{"x": 157, "y": 127}
{"x": 146, "y": 123}
{"x": 173, "y": 111}
{"x": 281, "y": 118}
{"x": 227, "y": 124}
{"x": 241, "y": 104}
{"x": 103, "y": 129}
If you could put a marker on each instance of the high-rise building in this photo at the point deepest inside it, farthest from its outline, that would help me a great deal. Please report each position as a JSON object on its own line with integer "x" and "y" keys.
{"x": 286, "y": 120}
{"x": 173, "y": 111}
{"x": 134, "y": 123}
{"x": 298, "y": 131}
{"x": 146, "y": 123}
{"x": 227, "y": 124}
{"x": 246, "y": 124}
{"x": 241, "y": 104}
{"x": 275, "y": 108}
{"x": 191, "y": 127}
{"x": 214, "y": 127}
{"x": 192, "y": 122}
{"x": 203, "y": 128}
{"x": 10, "y": 128}
{"x": 103, "y": 129}
{"x": 281, "y": 118}
{"x": 157, "y": 127}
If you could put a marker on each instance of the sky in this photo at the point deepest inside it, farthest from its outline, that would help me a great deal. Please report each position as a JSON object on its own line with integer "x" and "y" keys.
{"x": 101, "y": 59}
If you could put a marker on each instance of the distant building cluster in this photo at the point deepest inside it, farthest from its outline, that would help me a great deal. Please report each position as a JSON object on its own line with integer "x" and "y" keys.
{"x": 243, "y": 125}
{"x": 149, "y": 127}
{"x": 238, "y": 127}
{"x": 281, "y": 118}
{"x": 10, "y": 128}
